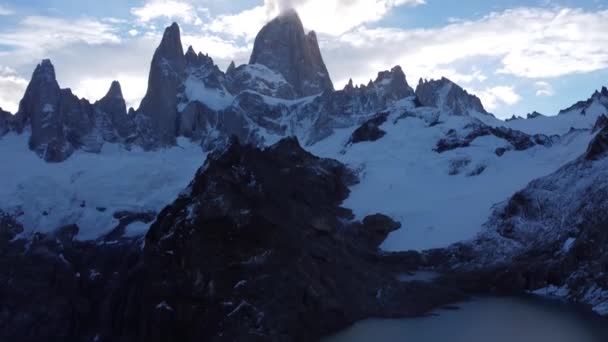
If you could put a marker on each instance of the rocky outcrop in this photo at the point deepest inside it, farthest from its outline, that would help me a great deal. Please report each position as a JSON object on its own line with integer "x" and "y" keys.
{"x": 448, "y": 97}
{"x": 283, "y": 46}
{"x": 370, "y": 130}
{"x": 518, "y": 140}
{"x": 157, "y": 114}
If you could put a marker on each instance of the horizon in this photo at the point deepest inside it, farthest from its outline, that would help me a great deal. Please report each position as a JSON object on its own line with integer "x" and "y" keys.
{"x": 550, "y": 73}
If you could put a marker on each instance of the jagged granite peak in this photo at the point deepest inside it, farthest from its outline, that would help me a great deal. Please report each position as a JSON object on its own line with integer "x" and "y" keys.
{"x": 283, "y": 46}
{"x": 581, "y": 107}
{"x": 111, "y": 115}
{"x": 393, "y": 84}
{"x": 448, "y": 96}
{"x": 157, "y": 114}
{"x": 171, "y": 44}
{"x": 115, "y": 91}
{"x": 40, "y": 109}
{"x": 534, "y": 115}
{"x": 349, "y": 86}
{"x": 191, "y": 56}
{"x": 231, "y": 67}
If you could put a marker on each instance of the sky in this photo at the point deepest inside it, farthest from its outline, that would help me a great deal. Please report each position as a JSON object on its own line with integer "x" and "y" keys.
{"x": 517, "y": 56}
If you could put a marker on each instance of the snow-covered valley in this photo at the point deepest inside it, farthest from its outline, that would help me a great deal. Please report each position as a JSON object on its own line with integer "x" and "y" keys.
{"x": 89, "y": 188}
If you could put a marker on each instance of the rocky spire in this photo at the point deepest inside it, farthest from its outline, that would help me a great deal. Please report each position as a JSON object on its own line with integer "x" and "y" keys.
{"x": 40, "y": 108}
{"x": 115, "y": 91}
{"x": 191, "y": 57}
{"x": 231, "y": 68}
{"x": 159, "y": 105}
{"x": 111, "y": 112}
{"x": 283, "y": 46}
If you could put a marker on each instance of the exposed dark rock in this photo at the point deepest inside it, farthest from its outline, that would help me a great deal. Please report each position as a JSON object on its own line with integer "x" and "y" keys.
{"x": 448, "y": 96}
{"x": 519, "y": 140}
{"x": 601, "y": 122}
{"x": 598, "y": 146}
{"x": 283, "y": 46}
{"x": 111, "y": 115}
{"x": 458, "y": 165}
{"x": 258, "y": 249}
{"x": 534, "y": 115}
{"x": 55, "y": 288}
{"x": 6, "y": 119}
{"x": 370, "y": 130}
{"x": 157, "y": 114}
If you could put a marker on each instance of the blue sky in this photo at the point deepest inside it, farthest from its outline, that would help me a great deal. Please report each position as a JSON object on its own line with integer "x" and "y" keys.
{"x": 517, "y": 56}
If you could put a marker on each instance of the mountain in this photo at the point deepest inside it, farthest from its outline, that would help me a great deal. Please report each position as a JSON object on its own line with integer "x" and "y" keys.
{"x": 296, "y": 206}
{"x": 283, "y": 46}
{"x": 448, "y": 96}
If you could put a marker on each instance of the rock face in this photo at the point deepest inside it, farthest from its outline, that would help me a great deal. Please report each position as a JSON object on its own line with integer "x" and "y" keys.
{"x": 283, "y": 46}
{"x": 5, "y": 122}
{"x": 59, "y": 121}
{"x": 518, "y": 140}
{"x": 157, "y": 114}
{"x": 449, "y": 97}
{"x": 111, "y": 116}
{"x": 370, "y": 130}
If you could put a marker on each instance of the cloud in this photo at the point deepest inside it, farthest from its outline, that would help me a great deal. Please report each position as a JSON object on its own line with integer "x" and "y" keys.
{"x": 526, "y": 42}
{"x": 12, "y": 87}
{"x": 171, "y": 9}
{"x": 35, "y": 35}
{"x": 544, "y": 89}
{"x": 327, "y": 17}
{"x": 495, "y": 96}
{"x": 5, "y": 11}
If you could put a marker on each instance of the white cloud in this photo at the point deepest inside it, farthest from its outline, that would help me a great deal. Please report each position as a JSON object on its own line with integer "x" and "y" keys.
{"x": 493, "y": 97}
{"x": 530, "y": 43}
{"x": 12, "y": 87}
{"x": 5, "y": 11}
{"x": 36, "y": 34}
{"x": 172, "y": 9}
{"x": 544, "y": 89}
{"x": 332, "y": 17}
{"x": 133, "y": 33}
